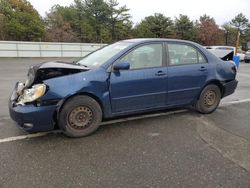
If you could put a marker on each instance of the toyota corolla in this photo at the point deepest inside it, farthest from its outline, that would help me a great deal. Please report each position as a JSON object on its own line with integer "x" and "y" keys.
{"x": 127, "y": 77}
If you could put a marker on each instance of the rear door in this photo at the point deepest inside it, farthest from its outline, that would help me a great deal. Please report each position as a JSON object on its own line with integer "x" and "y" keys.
{"x": 187, "y": 73}
{"x": 144, "y": 85}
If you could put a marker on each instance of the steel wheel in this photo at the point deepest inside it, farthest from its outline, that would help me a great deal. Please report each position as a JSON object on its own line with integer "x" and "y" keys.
{"x": 80, "y": 117}
{"x": 209, "y": 99}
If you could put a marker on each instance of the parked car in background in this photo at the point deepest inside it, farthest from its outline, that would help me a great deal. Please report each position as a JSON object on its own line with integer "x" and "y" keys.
{"x": 247, "y": 57}
{"x": 127, "y": 77}
{"x": 230, "y": 48}
{"x": 241, "y": 54}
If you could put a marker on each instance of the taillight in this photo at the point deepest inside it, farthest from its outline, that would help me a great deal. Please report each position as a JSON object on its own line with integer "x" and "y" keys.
{"x": 234, "y": 69}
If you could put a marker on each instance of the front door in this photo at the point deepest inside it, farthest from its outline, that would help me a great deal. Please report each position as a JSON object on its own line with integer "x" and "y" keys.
{"x": 144, "y": 85}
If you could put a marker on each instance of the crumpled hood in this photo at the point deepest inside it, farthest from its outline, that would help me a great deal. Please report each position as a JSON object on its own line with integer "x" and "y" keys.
{"x": 59, "y": 64}
{"x": 48, "y": 70}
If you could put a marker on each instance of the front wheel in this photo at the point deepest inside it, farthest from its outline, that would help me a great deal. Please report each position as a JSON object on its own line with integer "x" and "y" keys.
{"x": 209, "y": 99}
{"x": 80, "y": 116}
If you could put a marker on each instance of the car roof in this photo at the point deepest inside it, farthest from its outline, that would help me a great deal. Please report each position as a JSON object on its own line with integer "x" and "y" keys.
{"x": 142, "y": 40}
{"x": 221, "y": 46}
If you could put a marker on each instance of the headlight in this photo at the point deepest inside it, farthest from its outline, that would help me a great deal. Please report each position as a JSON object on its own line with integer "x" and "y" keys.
{"x": 32, "y": 94}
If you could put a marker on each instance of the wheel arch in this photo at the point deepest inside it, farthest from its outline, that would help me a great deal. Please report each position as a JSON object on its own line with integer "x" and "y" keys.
{"x": 215, "y": 82}
{"x": 64, "y": 101}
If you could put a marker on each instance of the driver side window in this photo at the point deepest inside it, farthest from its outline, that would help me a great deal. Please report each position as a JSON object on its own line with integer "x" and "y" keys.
{"x": 146, "y": 56}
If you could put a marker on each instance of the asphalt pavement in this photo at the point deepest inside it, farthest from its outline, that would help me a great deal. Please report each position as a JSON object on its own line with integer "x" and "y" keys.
{"x": 177, "y": 148}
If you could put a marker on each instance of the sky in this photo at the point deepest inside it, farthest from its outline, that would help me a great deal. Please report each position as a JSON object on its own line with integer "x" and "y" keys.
{"x": 222, "y": 10}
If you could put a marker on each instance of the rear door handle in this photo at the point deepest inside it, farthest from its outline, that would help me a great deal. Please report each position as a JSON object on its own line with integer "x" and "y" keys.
{"x": 160, "y": 73}
{"x": 202, "y": 68}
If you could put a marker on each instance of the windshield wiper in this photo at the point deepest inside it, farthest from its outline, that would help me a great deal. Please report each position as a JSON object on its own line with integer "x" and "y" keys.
{"x": 77, "y": 63}
{"x": 83, "y": 65}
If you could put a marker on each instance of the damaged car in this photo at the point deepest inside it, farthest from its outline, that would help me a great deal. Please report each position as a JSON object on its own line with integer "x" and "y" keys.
{"x": 124, "y": 78}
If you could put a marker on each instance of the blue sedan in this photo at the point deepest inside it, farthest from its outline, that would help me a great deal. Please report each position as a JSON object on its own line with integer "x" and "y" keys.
{"x": 127, "y": 77}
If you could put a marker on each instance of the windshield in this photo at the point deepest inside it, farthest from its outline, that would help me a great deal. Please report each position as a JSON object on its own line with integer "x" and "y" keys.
{"x": 102, "y": 55}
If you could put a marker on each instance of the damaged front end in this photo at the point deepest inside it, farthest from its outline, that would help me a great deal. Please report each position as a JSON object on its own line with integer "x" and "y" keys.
{"x": 34, "y": 88}
{"x": 23, "y": 102}
{"x": 48, "y": 70}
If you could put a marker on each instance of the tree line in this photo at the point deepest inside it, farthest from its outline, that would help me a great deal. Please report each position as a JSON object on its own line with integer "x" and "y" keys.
{"x": 105, "y": 21}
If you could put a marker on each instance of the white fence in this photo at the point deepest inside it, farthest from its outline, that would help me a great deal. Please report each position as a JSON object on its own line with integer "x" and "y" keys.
{"x": 46, "y": 49}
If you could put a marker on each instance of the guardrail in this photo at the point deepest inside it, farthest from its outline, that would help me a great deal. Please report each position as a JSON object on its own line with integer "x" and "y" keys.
{"x": 46, "y": 49}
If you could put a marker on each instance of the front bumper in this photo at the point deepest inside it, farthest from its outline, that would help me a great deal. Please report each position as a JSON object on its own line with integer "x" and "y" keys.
{"x": 229, "y": 87}
{"x": 31, "y": 118}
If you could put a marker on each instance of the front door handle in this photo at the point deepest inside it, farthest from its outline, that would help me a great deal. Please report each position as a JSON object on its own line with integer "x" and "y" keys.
{"x": 202, "y": 68}
{"x": 160, "y": 73}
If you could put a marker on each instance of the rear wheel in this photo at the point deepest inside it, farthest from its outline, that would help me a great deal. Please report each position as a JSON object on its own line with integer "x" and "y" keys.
{"x": 80, "y": 116}
{"x": 209, "y": 99}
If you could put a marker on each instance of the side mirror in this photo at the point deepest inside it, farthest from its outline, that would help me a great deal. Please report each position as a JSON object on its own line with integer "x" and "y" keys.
{"x": 124, "y": 65}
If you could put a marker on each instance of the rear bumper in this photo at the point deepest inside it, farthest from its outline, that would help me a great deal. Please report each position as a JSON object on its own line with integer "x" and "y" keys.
{"x": 229, "y": 87}
{"x": 31, "y": 118}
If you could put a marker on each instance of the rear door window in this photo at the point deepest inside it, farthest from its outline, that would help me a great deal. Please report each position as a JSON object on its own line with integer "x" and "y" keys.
{"x": 181, "y": 54}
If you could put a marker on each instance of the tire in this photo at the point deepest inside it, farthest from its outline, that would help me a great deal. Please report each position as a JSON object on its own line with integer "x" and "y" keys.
{"x": 80, "y": 116}
{"x": 209, "y": 99}
{"x": 247, "y": 61}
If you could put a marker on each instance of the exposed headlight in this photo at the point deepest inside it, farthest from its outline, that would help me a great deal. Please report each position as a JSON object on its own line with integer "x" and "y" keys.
{"x": 32, "y": 94}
